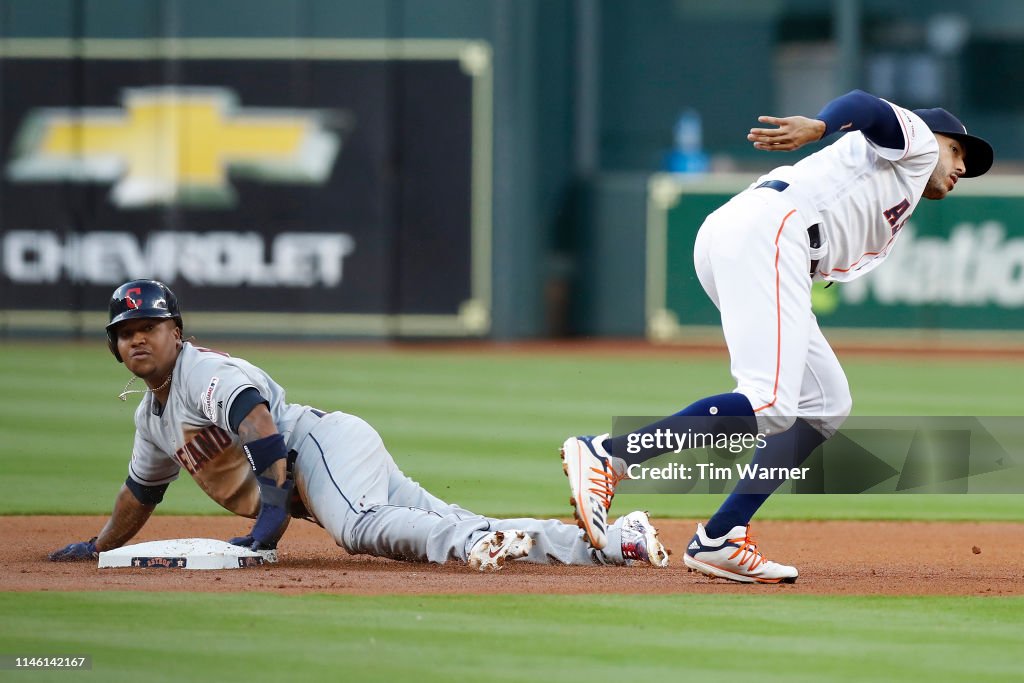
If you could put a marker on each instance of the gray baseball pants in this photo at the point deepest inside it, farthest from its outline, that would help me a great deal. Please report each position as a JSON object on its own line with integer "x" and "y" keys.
{"x": 353, "y": 487}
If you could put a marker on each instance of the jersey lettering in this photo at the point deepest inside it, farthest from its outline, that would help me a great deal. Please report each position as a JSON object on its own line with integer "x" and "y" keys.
{"x": 893, "y": 215}
{"x": 206, "y": 445}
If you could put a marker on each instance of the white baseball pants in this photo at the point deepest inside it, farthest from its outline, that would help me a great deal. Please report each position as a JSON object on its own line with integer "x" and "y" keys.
{"x": 752, "y": 257}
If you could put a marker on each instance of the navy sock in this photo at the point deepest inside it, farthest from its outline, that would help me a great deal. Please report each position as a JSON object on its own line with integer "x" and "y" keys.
{"x": 721, "y": 414}
{"x": 788, "y": 449}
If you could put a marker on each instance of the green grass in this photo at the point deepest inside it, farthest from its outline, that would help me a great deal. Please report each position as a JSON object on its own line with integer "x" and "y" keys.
{"x": 480, "y": 429}
{"x": 259, "y": 637}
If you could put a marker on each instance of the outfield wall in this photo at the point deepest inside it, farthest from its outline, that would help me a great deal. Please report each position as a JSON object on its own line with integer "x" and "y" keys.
{"x": 958, "y": 265}
{"x": 413, "y": 207}
{"x": 462, "y": 168}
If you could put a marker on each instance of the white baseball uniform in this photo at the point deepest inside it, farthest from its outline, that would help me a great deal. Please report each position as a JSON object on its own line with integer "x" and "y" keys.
{"x": 753, "y": 257}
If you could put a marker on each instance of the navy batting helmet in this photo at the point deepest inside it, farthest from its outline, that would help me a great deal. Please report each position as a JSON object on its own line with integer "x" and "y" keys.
{"x": 140, "y": 299}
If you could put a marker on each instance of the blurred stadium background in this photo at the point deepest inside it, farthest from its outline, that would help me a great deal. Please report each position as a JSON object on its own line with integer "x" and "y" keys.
{"x": 456, "y": 168}
{"x": 482, "y": 169}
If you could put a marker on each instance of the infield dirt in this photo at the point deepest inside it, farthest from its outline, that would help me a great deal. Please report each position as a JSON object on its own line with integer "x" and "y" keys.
{"x": 856, "y": 558}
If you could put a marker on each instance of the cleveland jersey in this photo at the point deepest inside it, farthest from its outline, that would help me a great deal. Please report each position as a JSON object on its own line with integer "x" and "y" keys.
{"x": 192, "y": 432}
{"x": 861, "y": 194}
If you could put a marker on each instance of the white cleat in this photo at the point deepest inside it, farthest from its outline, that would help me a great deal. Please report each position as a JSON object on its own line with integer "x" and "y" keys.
{"x": 735, "y": 557}
{"x": 640, "y": 542}
{"x": 592, "y": 482}
{"x": 492, "y": 551}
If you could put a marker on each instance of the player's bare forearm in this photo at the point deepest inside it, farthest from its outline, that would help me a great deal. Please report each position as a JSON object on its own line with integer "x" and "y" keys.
{"x": 257, "y": 425}
{"x": 792, "y": 132}
{"x": 127, "y": 519}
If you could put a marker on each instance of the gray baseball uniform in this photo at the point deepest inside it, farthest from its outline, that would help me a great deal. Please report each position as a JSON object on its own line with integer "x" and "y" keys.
{"x": 344, "y": 474}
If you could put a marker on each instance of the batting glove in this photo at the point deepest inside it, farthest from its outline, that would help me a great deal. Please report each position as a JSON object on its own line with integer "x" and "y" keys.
{"x": 86, "y": 550}
{"x": 273, "y": 518}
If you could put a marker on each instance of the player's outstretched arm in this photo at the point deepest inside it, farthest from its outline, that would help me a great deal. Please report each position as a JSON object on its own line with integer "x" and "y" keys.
{"x": 856, "y": 110}
{"x": 792, "y": 132}
{"x": 127, "y": 519}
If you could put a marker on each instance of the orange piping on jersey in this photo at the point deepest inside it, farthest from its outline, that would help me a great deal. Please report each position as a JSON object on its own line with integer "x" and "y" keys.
{"x": 862, "y": 256}
{"x": 778, "y": 318}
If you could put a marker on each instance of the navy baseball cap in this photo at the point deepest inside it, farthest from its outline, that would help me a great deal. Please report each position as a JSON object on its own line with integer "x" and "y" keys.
{"x": 979, "y": 152}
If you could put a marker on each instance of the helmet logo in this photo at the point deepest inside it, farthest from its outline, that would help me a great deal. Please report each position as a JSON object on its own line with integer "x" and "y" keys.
{"x": 132, "y": 303}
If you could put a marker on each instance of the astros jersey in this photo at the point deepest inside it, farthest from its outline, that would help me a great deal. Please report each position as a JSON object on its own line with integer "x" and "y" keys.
{"x": 192, "y": 430}
{"x": 861, "y": 194}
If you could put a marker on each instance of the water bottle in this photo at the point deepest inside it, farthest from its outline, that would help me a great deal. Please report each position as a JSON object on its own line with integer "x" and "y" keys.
{"x": 687, "y": 155}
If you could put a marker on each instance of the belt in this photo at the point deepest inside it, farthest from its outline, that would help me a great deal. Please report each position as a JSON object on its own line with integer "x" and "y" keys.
{"x": 813, "y": 232}
{"x": 777, "y": 185}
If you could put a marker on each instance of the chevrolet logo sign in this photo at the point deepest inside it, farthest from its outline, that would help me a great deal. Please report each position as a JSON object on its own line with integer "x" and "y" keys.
{"x": 173, "y": 145}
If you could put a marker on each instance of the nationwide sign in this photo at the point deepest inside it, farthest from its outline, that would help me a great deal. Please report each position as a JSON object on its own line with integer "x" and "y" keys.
{"x": 959, "y": 264}
{"x": 292, "y": 187}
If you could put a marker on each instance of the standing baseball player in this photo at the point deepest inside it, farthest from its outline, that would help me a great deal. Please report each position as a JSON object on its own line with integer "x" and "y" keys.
{"x": 226, "y": 423}
{"x": 835, "y": 216}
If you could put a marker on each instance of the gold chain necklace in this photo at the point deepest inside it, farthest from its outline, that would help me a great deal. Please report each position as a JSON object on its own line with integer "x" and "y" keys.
{"x": 124, "y": 394}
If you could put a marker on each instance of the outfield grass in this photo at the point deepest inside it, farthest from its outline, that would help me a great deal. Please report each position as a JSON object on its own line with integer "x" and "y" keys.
{"x": 260, "y": 637}
{"x": 480, "y": 429}
{"x": 483, "y": 429}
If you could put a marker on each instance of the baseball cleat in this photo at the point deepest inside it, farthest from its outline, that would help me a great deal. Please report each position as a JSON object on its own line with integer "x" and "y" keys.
{"x": 492, "y": 551}
{"x": 592, "y": 482}
{"x": 640, "y": 542}
{"x": 735, "y": 557}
